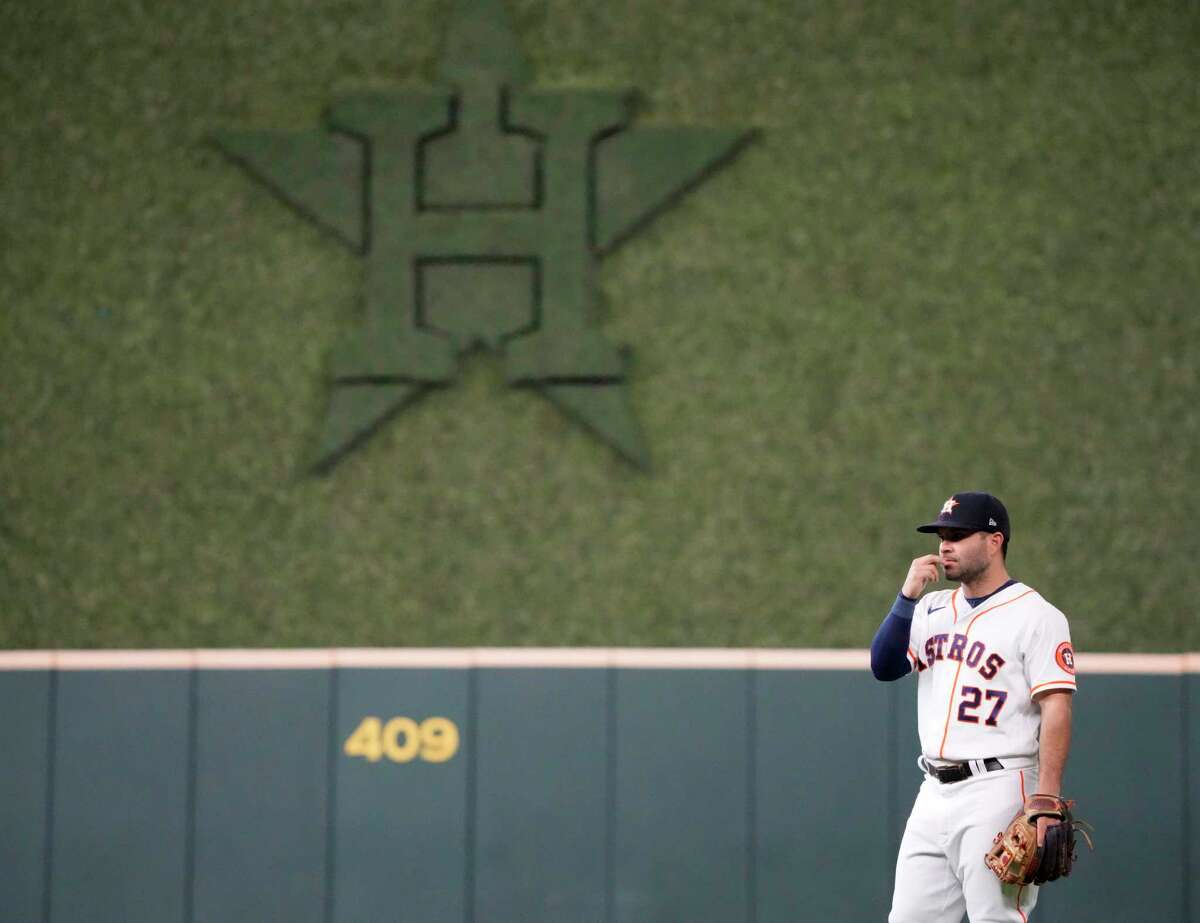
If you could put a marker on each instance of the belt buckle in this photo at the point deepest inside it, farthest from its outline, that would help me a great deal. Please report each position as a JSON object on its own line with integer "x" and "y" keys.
{"x": 948, "y": 775}
{"x": 959, "y": 773}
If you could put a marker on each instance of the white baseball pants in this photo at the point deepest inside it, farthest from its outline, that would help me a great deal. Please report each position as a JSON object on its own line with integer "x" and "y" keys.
{"x": 940, "y": 873}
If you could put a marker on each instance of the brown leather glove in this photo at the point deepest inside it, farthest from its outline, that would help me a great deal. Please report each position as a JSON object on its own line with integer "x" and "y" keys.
{"x": 1016, "y": 858}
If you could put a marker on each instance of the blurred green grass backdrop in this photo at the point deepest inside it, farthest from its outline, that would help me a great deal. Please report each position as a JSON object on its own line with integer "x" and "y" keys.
{"x": 962, "y": 255}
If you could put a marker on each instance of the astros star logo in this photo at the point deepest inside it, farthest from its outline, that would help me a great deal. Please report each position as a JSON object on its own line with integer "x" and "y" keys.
{"x": 948, "y": 507}
{"x": 481, "y": 207}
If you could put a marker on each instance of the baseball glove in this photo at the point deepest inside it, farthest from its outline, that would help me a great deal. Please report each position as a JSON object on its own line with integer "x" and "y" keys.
{"x": 1015, "y": 857}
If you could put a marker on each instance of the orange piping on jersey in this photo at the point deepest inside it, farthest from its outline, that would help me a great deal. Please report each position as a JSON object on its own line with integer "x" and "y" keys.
{"x": 997, "y": 606}
{"x": 1022, "y": 786}
{"x": 978, "y": 616}
{"x": 1053, "y": 682}
{"x": 913, "y": 656}
{"x": 946, "y": 730}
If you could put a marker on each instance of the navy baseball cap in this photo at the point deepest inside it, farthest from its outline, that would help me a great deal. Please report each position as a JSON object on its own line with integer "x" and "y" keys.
{"x": 971, "y": 509}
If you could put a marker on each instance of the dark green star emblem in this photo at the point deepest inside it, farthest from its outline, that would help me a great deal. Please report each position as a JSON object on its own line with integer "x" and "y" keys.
{"x": 481, "y": 207}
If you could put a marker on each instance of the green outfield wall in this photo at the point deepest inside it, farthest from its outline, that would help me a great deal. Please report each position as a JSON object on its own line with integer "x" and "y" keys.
{"x": 710, "y": 786}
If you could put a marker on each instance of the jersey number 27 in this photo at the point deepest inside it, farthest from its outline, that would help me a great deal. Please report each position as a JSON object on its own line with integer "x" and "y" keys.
{"x": 972, "y": 697}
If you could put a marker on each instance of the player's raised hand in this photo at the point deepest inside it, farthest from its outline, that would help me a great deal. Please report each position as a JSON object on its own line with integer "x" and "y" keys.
{"x": 922, "y": 572}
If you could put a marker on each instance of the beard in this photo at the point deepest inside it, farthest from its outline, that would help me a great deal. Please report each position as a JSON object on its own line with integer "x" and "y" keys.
{"x": 967, "y": 571}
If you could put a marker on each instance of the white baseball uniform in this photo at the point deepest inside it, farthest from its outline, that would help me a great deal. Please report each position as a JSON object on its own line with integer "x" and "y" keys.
{"x": 978, "y": 670}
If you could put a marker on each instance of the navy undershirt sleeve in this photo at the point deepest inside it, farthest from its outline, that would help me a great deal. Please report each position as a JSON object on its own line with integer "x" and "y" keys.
{"x": 889, "y": 650}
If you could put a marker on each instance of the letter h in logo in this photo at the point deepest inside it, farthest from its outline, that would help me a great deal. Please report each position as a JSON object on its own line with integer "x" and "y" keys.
{"x": 481, "y": 208}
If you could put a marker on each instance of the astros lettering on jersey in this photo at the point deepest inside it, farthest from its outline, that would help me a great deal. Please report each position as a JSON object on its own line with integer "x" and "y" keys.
{"x": 979, "y": 670}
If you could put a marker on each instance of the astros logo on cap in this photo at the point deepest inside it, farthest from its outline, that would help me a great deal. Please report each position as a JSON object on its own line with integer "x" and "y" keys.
{"x": 948, "y": 507}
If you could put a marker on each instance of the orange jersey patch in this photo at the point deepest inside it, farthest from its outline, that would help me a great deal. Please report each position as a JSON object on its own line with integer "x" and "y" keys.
{"x": 1065, "y": 657}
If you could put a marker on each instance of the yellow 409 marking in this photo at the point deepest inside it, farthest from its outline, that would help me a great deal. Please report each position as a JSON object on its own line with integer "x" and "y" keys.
{"x": 402, "y": 740}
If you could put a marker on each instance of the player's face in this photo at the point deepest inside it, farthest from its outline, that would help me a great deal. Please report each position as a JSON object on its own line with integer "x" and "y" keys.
{"x": 964, "y": 554}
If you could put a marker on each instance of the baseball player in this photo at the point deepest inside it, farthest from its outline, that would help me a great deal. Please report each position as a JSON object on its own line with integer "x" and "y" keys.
{"x": 995, "y": 677}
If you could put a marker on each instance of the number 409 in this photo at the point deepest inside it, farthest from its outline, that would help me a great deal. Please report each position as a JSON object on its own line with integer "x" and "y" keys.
{"x": 401, "y": 740}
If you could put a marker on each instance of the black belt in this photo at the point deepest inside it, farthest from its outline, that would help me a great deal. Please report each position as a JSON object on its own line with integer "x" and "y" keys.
{"x": 957, "y": 772}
